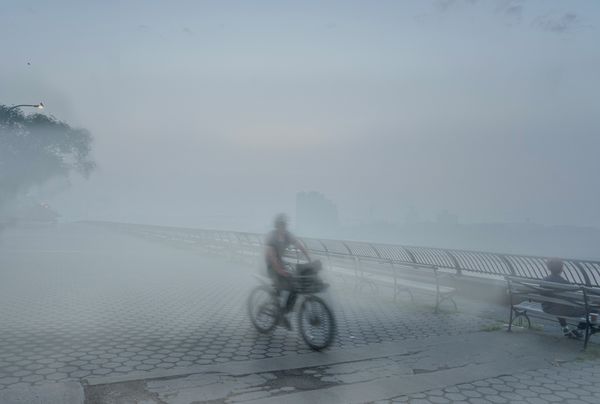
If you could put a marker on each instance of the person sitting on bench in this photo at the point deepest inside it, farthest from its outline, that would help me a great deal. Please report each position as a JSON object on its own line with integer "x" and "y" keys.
{"x": 555, "y": 266}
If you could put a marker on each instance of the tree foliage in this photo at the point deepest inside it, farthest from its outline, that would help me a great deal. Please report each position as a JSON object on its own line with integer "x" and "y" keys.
{"x": 36, "y": 148}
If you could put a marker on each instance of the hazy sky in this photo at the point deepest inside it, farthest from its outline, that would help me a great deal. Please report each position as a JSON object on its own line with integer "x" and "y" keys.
{"x": 217, "y": 113}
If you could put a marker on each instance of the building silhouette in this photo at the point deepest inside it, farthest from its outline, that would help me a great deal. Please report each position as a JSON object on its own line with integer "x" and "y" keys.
{"x": 316, "y": 216}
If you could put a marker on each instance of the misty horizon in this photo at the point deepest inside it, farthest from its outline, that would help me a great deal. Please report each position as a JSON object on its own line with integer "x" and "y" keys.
{"x": 483, "y": 110}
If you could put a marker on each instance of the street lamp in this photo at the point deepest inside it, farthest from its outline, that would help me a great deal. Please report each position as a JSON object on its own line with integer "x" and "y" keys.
{"x": 38, "y": 106}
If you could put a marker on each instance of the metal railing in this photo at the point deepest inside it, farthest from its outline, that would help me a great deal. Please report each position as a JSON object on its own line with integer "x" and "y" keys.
{"x": 580, "y": 272}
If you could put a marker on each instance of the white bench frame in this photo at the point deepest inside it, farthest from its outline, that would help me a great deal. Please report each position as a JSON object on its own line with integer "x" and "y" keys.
{"x": 400, "y": 284}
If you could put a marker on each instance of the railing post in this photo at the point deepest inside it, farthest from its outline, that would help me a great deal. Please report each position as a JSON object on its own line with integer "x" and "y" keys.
{"x": 394, "y": 270}
{"x": 510, "y": 298}
{"x": 410, "y": 255}
{"x": 508, "y": 264}
{"x": 437, "y": 289}
{"x": 455, "y": 262}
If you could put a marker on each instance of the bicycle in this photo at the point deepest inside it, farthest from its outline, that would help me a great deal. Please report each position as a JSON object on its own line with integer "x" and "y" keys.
{"x": 316, "y": 322}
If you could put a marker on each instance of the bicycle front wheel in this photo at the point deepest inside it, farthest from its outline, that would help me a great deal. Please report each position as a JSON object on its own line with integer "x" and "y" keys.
{"x": 263, "y": 309}
{"x": 316, "y": 323}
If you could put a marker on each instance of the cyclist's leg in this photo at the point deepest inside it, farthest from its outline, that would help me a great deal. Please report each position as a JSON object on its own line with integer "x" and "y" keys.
{"x": 283, "y": 298}
{"x": 286, "y": 286}
{"x": 283, "y": 285}
{"x": 291, "y": 300}
{"x": 279, "y": 285}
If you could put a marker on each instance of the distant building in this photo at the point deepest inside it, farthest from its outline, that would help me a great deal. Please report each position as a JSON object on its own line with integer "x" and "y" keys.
{"x": 316, "y": 215}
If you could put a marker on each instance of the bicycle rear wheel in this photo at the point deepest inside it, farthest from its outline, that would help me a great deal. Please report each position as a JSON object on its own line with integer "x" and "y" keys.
{"x": 316, "y": 323}
{"x": 263, "y": 309}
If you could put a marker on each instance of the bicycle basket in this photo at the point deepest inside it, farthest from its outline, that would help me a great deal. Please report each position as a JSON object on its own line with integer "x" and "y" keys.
{"x": 308, "y": 284}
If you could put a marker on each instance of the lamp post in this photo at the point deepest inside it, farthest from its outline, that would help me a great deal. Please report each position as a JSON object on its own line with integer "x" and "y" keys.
{"x": 38, "y": 106}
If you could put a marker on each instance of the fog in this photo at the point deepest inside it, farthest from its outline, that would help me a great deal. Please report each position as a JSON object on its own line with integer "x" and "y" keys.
{"x": 206, "y": 114}
{"x": 461, "y": 124}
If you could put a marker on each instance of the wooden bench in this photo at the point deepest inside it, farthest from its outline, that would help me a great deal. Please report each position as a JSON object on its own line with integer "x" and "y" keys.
{"x": 527, "y": 296}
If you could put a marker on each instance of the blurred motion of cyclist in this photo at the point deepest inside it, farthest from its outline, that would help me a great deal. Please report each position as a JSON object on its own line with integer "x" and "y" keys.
{"x": 278, "y": 240}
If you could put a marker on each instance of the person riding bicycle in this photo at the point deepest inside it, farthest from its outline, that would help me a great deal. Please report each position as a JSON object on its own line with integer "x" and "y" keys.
{"x": 278, "y": 240}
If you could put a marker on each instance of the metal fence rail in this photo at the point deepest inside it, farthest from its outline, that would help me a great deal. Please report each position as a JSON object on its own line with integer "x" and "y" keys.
{"x": 581, "y": 272}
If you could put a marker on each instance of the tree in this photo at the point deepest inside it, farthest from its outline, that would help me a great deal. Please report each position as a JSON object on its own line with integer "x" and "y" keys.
{"x": 36, "y": 148}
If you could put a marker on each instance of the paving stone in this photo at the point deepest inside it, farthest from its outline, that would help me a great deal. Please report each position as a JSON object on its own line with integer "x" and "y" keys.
{"x": 478, "y": 400}
{"x": 592, "y": 388}
{"x": 9, "y": 380}
{"x": 32, "y": 378}
{"x": 589, "y": 399}
{"x": 525, "y": 393}
{"x": 22, "y": 373}
{"x": 496, "y": 398}
{"x": 541, "y": 390}
{"x": 57, "y": 376}
{"x": 455, "y": 396}
{"x": 470, "y": 393}
{"x": 420, "y": 401}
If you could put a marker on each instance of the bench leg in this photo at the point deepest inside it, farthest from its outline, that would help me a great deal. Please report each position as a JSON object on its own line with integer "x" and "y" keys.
{"x": 360, "y": 281}
{"x": 407, "y": 290}
{"x": 441, "y": 299}
{"x": 587, "y": 336}
{"x": 373, "y": 285}
{"x": 518, "y": 315}
{"x": 514, "y": 315}
{"x": 528, "y": 320}
{"x": 451, "y": 299}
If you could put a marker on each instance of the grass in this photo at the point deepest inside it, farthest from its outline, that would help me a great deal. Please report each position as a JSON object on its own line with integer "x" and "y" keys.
{"x": 591, "y": 353}
{"x": 497, "y": 326}
{"x": 492, "y": 327}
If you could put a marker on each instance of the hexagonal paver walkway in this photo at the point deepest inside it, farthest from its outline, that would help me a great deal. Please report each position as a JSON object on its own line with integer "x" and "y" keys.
{"x": 571, "y": 383}
{"x": 80, "y": 302}
{"x": 468, "y": 368}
